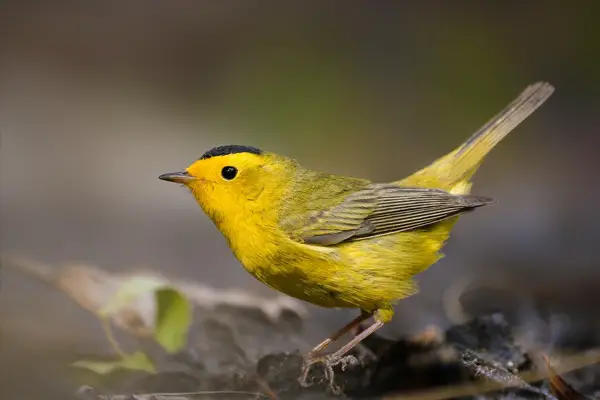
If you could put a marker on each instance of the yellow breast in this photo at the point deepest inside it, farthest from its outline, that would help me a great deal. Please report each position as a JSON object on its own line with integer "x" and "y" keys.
{"x": 366, "y": 274}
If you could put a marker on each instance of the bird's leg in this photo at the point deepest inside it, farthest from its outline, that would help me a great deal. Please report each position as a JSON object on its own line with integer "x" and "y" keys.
{"x": 364, "y": 351}
{"x": 335, "y": 336}
{"x": 337, "y": 357}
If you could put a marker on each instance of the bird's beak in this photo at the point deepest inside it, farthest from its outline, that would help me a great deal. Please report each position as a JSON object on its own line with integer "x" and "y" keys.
{"x": 178, "y": 177}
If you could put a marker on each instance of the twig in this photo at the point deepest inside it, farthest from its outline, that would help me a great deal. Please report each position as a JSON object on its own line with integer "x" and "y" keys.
{"x": 561, "y": 389}
{"x": 497, "y": 373}
{"x": 471, "y": 389}
{"x": 264, "y": 385}
{"x": 89, "y": 393}
{"x": 110, "y": 337}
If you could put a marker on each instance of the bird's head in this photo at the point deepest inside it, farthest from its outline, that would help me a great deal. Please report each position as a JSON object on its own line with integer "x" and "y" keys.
{"x": 233, "y": 180}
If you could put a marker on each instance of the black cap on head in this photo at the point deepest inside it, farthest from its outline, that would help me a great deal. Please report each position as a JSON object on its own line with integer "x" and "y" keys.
{"x": 230, "y": 149}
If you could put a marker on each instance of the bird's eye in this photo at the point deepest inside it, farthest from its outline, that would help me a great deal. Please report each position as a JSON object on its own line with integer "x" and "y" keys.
{"x": 228, "y": 173}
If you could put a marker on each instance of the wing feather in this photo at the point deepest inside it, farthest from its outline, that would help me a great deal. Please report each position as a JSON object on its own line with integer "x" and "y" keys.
{"x": 383, "y": 209}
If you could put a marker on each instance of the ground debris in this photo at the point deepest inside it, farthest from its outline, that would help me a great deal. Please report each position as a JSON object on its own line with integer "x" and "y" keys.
{"x": 559, "y": 386}
{"x": 476, "y": 360}
{"x": 93, "y": 288}
{"x": 236, "y": 349}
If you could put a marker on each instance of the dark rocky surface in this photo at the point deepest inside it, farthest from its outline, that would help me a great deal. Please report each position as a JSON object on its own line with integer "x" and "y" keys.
{"x": 452, "y": 364}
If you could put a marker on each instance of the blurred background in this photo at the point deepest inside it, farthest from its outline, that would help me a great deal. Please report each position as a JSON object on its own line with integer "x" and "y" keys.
{"x": 99, "y": 98}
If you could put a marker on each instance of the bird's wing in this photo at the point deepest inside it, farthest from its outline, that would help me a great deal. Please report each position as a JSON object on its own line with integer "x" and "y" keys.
{"x": 381, "y": 209}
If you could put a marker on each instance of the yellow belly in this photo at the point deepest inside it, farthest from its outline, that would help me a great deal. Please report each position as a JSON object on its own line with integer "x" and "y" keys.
{"x": 367, "y": 274}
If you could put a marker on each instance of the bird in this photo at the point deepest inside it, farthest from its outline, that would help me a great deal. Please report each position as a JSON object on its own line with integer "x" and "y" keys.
{"x": 338, "y": 241}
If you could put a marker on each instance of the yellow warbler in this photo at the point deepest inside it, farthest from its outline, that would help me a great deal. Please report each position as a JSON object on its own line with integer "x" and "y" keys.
{"x": 337, "y": 241}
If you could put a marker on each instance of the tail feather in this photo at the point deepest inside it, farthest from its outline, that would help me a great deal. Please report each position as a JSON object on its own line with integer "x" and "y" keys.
{"x": 472, "y": 152}
{"x": 457, "y": 167}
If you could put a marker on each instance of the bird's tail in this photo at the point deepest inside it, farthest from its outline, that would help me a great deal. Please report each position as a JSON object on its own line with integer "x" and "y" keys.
{"x": 454, "y": 170}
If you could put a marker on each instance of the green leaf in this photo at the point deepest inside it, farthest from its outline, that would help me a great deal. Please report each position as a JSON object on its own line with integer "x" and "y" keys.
{"x": 173, "y": 310}
{"x": 99, "y": 367}
{"x": 173, "y": 318}
{"x": 137, "y": 361}
{"x": 129, "y": 291}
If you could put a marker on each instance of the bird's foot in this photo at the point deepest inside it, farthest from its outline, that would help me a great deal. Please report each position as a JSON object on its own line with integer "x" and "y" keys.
{"x": 329, "y": 361}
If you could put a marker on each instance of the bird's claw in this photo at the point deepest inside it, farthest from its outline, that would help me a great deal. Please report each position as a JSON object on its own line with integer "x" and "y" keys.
{"x": 329, "y": 361}
{"x": 346, "y": 361}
